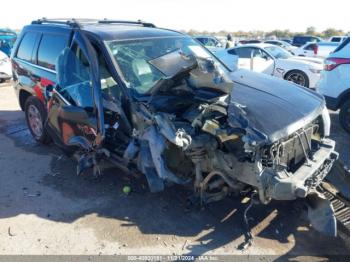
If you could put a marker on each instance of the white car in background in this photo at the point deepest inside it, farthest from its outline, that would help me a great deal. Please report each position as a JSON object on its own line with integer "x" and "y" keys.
{"x": 282, "y": 44}
{"x": 313, "y": 49}
{"x": 334, "y": 84}
{"x": 210, "y": 42}
{"x": 273, "y": 60}
{"x": 5, "y": 67}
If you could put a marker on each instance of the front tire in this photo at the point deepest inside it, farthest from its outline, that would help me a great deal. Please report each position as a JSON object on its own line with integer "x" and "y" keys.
{"x": 344, "y": 116}
{"x": 36, "y": 116}
{"x": 298, "y": 77}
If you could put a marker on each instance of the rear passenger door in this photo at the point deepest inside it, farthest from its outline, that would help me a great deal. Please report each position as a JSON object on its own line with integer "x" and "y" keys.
{"x": 34, "y": 61}
{"x": 49, "y": 48}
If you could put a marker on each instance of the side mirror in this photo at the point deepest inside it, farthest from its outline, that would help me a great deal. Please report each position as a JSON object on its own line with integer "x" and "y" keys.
{"x": 266, "y": 57}
{"x": 48, "y": 91}
{"x": 75, "y": 114}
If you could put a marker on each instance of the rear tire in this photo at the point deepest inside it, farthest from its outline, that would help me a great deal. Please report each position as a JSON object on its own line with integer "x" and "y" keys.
{"x": 36, "y": 116}
{"x": 344, "y": 116}
{"x": 298, "y": 77}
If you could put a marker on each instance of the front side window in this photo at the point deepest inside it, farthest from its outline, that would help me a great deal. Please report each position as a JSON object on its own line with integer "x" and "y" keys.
{"x": 73, "y": 75}
{"x": 144, "y": 62}
{"x": 278, "y": 52}
{"x": 49, "y": 49}
{"x": 26, "y": 46}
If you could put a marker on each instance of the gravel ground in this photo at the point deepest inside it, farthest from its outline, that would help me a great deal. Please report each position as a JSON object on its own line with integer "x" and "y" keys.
{"x": 46, "y": 209}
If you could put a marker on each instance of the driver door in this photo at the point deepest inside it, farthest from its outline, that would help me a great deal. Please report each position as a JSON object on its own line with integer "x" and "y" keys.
{"x": 75, "y": 112}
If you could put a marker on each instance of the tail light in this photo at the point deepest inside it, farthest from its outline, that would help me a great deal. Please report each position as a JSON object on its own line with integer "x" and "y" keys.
{"x": 315, "y": 49}
{"x": 331, "y": 63}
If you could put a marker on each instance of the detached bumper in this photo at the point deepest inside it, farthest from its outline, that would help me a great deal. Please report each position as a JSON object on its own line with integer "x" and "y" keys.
{"x": 284, "y": 185}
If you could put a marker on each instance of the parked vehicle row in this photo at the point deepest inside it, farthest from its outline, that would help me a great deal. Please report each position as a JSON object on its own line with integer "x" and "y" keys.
{"x": 282, "y": 44}
{"x": 154, "y": 101}
{"x": 320, "y": 49}
{"x": 276, "y": 61}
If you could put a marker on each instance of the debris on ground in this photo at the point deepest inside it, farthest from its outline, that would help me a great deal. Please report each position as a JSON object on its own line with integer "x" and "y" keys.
{"x": 127, "y": 190}
{"x": 9, "y": 232}
{"x": 184, "y": 245}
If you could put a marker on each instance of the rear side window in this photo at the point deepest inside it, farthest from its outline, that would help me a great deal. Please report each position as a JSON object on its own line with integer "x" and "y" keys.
{"x": 49, "y": 49}
{"x": 335, "y": 39}
{"x": 26, "y": 47}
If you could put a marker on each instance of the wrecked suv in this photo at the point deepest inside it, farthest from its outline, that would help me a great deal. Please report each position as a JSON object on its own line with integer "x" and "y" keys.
{"x": 155, "y": 101}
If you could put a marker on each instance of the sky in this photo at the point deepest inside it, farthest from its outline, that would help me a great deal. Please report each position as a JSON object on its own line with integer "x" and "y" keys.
{"x": 210, "y": 15}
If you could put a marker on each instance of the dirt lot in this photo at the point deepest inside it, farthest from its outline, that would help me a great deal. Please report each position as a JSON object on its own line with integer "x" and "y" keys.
{"x": 46, "y": 209}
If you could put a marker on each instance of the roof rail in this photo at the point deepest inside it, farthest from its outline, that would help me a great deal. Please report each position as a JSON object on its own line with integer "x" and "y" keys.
{"x": 73, "y": 22}
{"x": 138, "y": 22}
{"x": 79, "y": 22}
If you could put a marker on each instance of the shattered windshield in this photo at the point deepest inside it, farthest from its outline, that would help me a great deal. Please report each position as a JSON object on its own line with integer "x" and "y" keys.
{"x": 145, "y": 62}
{"x": 278, "y": 52}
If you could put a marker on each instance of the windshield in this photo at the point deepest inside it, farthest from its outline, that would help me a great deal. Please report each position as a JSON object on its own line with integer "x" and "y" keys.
{"x": 278, "y": 52}
{"x": 145, "y": 62}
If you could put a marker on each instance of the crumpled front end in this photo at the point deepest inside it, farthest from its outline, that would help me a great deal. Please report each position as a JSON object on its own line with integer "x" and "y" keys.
{"x": 292, "y": 162}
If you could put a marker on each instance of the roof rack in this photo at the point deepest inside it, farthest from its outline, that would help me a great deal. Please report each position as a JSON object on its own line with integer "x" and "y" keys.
{"x": 61, "y": 21}
{"x": 79, "y": 22}
{"x": 138, "y": 22}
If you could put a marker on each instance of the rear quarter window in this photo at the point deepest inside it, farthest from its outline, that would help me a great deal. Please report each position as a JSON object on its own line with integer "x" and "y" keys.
{"x": 26, "y": 47}
{"x": 342, "y": 45}
{"x": 51, "y": 45}
{"x": 244, "y": 52}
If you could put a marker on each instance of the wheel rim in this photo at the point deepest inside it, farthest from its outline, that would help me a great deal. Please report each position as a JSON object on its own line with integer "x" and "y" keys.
{"x": 35, "y": 121}
{"x": 297, "y": 78}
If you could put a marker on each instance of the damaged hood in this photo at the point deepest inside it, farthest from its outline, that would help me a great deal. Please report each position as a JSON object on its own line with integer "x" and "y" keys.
{"x": 269, "y": 107}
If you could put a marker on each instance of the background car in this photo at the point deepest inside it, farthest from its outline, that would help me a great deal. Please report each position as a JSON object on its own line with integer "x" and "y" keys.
{"x": 337, "y": 39}
{"x": 5, "y": 67}
{"x": 335, "y": 82}
{"x": 7, "y": 39}
{"x": 282, "y": 44}
{"x": 320, "y": 49}
{"x": 300, "y": 40}
{"x": 276, "y": 61}
{"x": 210, "y": 42}
{"x": 289, "y": 41}
{"x": 251, "y": 41}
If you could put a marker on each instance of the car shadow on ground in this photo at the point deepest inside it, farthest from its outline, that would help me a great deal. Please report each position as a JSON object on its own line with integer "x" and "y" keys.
{"x": 166, "y": 213}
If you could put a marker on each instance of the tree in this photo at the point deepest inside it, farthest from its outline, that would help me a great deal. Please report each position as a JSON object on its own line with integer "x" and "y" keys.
{"x": 311, "y": 30}
{"x": 331, "y": 31}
